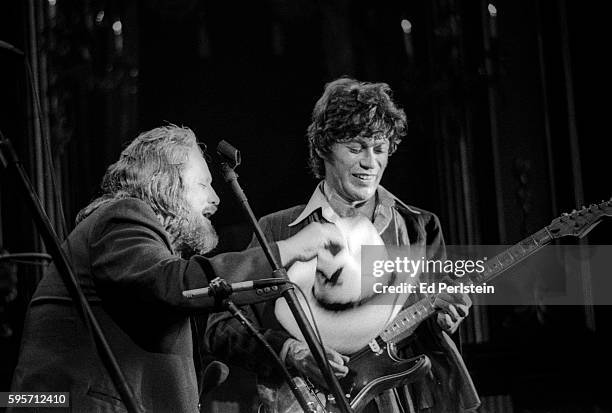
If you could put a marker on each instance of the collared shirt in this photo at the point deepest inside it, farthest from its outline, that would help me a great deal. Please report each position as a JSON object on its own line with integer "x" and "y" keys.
{"x": 388, "y": 222}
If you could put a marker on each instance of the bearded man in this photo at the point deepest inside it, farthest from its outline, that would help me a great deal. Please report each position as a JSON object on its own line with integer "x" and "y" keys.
{"x": 355, "y": 128}
{"x": 129, "y": 251}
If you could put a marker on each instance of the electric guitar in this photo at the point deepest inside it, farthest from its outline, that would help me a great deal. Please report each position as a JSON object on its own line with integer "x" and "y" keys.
{"x": 376, "y": 367}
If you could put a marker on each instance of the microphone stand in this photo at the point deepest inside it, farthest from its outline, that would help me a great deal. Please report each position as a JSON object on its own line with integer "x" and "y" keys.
{"x": 221, "y": 290}
{"x": 230, "y": 159}
{"x": 8, "y": 158}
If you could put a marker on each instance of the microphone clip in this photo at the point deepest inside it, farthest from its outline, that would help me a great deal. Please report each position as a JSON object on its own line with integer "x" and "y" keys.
{"x": 220, "y": 290}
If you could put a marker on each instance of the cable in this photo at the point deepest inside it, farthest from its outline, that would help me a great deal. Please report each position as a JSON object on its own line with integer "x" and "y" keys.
{"x": 316, "y": 329}
{"x": 40, "y": 264}
{"x": 44, "y": 135}
{"x": 24, "y": 256}
{"x": 235, "y": 311}
{"x": 47, "y": 148}
{"x": 314, "y": 322}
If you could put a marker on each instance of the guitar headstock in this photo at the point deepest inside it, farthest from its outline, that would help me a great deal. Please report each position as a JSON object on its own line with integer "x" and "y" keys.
{"x": 579, "y": 223}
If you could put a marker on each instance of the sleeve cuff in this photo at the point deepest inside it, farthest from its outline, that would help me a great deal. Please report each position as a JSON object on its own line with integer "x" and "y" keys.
{"x": 285, "y": 349}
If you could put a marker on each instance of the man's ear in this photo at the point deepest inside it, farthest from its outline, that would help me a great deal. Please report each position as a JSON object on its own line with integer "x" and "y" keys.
{"x": 320, "y": 153}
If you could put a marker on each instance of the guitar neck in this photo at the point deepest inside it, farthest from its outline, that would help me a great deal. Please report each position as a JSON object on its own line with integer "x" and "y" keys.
{"x": 495, "y": 266}
{"x": 407, "y": 320}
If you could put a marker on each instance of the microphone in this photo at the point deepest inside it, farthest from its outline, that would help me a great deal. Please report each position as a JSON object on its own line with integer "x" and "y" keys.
{"x": 263, "y": 286}
{"x": 229, "y": 154}
{"x": 10, "y": 48}
{"x": 214, "y": 374}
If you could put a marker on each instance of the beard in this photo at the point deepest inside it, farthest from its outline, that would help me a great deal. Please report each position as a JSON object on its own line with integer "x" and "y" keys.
{"x": 192, "y": 233}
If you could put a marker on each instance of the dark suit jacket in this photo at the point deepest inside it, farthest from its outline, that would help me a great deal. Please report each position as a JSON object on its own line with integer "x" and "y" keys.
{"x": 123, "y": 261}
{"x": 449, "y": 385}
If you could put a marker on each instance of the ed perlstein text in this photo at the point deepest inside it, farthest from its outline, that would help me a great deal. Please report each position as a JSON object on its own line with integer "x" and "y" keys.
{"x": 413, "y": 267}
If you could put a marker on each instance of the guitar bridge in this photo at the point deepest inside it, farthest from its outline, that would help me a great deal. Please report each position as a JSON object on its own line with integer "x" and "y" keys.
{"x": 375, "y": 347}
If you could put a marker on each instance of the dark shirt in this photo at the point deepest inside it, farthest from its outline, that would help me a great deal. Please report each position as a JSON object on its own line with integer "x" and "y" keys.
{"x": 124, "y": 262}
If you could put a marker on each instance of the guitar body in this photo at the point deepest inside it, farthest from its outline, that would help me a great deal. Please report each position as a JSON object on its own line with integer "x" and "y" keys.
{"x": 374, "y": 370}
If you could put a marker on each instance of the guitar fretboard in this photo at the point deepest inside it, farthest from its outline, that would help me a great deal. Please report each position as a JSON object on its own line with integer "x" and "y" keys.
{"x": 493, "y": 267}
{"x": 407, "y": 320}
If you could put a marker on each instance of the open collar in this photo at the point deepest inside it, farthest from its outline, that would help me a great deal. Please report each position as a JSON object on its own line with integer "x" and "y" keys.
{"x": 385, "y": 203}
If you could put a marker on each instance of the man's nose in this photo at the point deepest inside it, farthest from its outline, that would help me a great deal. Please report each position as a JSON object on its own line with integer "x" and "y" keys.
{"x": 214, "y": 198}
{"x": 368, "y": 159}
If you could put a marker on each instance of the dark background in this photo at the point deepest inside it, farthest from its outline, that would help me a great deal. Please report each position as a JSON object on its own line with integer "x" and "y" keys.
{"x": 508, "y": 128}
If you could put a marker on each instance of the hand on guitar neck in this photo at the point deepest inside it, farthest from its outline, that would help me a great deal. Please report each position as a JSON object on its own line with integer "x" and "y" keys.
{"x": 300, "y": 358}
{"x": 452, "y": 309}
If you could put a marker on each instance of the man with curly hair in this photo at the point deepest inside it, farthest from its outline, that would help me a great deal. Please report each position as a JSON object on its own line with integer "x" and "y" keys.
{"x": 134, "y": 250}
{"x": 355, "y": 128}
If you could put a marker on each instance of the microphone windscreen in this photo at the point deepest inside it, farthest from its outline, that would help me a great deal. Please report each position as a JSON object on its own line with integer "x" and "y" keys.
{"x": 229, "y": 153}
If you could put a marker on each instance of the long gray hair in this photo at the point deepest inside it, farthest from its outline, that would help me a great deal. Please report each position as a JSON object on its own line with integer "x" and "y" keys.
{"x": 150, "y": 169}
